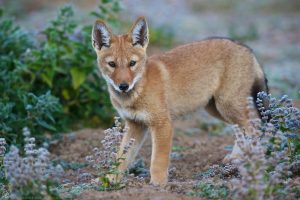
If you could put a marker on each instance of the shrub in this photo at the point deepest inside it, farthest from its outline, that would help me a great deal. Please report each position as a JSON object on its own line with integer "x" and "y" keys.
{"x": 108, "y": 11}
{"x": 30, "y": 175}
{"x": 51, "y": 84}
{"x": 269, "y": 150}
{"x": 65, "y": 64}
{"x": 20, "y": 107}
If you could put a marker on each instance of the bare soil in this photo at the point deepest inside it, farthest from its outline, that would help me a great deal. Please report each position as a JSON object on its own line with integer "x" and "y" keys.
{"x": 193, "y": 152}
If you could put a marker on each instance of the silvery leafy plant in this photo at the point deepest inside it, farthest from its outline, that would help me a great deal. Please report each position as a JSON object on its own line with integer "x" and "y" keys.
{"x": 30, "y": 172}
{"x": 269, "y": 151}
{"x": 107, "y": 160}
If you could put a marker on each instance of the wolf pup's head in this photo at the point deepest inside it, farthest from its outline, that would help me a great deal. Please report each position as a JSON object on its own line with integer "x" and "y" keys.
{"x": 121, "y": 58}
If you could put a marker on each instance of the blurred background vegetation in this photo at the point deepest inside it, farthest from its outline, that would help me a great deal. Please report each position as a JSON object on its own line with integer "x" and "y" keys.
{"x": 49, "y": 79}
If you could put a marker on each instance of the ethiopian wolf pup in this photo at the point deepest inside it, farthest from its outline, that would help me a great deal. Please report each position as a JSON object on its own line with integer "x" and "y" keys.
{"x": 148, "y": 92}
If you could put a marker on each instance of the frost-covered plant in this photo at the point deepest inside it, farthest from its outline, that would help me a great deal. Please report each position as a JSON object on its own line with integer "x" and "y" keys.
{"x": 268, "y": 149}
{"x": 283, "y": 116}
{"x": 281, "y": 113}
{"x": 2, "y": 152}
{"x": 210, "y": 190}
{"x": 259, "y": 173}
{"x": 30, "y": 175}
{"x": 2, "y": 147}
{"x": 3, "y": 181}
{"x": 107, "y": 160}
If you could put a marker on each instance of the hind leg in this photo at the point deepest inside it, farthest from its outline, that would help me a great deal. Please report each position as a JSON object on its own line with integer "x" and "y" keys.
{"x": 234, "y": 111}
{"x": 212, "y": 110}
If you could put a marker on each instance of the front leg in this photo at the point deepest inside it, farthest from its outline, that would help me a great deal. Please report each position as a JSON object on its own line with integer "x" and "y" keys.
{"x": 161, "y": 133}
{"x": 138, "y": 132}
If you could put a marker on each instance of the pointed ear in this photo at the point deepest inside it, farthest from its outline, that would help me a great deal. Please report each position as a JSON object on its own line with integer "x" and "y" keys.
{"x": 140, "y": 33}
{"x": 101, "y": 35}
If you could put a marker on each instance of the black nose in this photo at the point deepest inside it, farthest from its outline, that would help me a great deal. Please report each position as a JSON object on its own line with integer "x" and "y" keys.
{"x": 123, "y": 86}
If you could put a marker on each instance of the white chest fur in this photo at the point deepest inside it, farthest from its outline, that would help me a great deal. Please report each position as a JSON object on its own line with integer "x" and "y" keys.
{"x": 126, "y": 113}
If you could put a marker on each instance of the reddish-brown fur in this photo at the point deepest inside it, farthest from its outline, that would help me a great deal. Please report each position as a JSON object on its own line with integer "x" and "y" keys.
{"x": 217, "y": 74}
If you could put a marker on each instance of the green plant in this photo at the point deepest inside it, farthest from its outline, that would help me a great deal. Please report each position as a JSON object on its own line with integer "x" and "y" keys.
{"x": 176, "y": 148}
{"x": 65, "y": 64}
{"x": 162, "y": 36}
{"x": 108, "y": 11}
{"x": 20, "y": 107}
{"x": 210, "y": 191}
{"x": 52, "y": 84}
{"x": 138, "y": 169}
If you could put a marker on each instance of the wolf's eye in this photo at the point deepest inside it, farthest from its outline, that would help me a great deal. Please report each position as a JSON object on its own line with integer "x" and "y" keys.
{"x": 112, "y": 64}
{"x": 132, "y": 63}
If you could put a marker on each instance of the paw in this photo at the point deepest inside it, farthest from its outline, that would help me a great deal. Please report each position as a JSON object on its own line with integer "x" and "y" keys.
{"x": 158, "y": 181}
{"x": 114, "y": 178}
{"x": 232, "y": 158}
{"x": 95, "y": 180}
{"x": 227, "y": 159}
